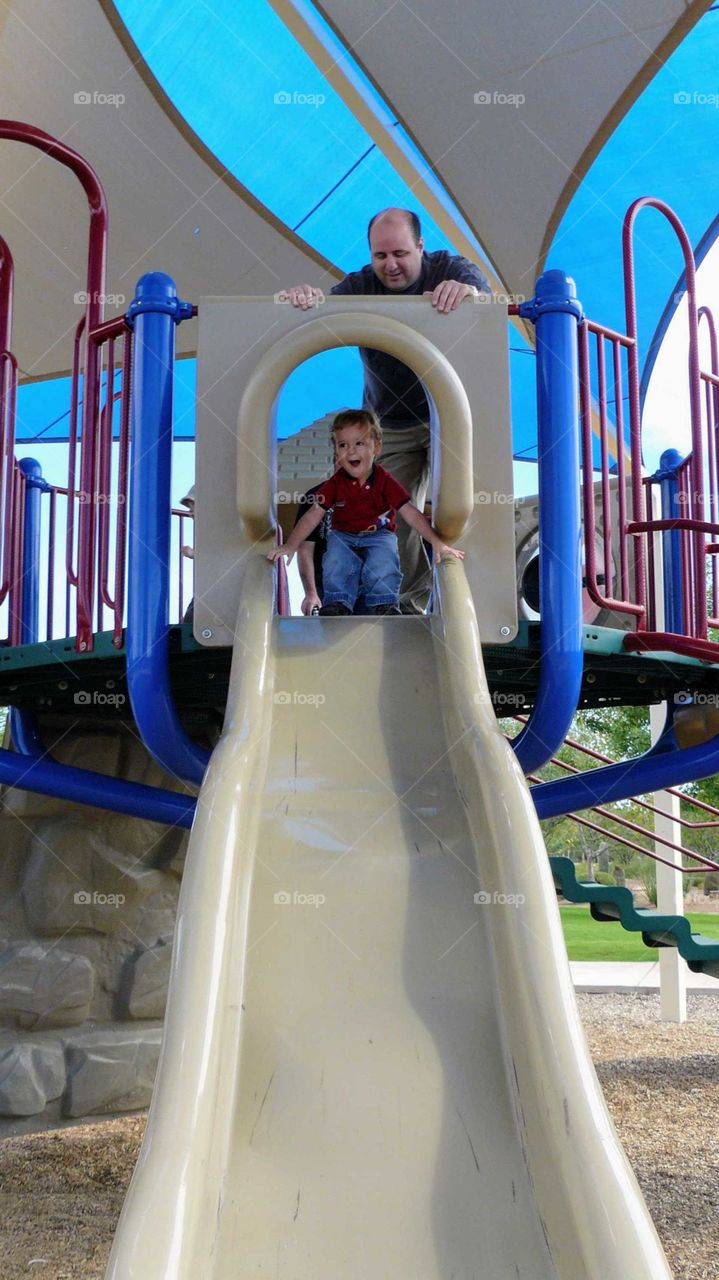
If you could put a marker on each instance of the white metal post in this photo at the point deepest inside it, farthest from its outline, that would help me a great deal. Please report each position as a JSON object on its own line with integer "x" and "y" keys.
{"x": 670, "y": 893}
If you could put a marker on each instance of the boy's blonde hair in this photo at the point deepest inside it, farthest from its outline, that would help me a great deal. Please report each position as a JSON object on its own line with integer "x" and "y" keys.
{"x": 360, "y": 418}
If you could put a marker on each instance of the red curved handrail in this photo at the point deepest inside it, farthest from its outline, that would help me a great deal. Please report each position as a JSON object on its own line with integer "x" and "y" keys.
{"x": 605, "y": 598}
{"x": 16, "y": 131}
{"x": 699, "y": 611}
{"x": 711, "y": 394}
{"x": 8, "y": 407}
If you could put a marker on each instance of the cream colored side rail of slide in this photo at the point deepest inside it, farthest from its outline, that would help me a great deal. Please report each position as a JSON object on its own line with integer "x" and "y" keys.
{"x": 396, "y": 1087}
{"x": 593, "y": 1211}
{"x": 163, "y": 1232}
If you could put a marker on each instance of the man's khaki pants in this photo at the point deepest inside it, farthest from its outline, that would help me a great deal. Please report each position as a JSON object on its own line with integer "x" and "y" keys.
{"x": 405, "y": 454}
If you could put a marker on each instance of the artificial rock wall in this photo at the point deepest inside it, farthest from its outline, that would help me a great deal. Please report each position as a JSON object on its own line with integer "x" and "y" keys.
{"x": 87, "y": 913}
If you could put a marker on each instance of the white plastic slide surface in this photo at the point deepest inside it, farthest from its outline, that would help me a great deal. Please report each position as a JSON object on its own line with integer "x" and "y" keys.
{"x": 373, "y": 1067}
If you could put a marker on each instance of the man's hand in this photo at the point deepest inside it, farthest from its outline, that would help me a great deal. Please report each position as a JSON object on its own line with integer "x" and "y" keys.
{"x": 310, "y": 602}
{"x": 448, "y": 294}
{"x": 302, "y": 295}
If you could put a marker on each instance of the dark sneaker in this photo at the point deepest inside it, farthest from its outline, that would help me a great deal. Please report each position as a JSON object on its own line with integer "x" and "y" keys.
{"x": 385, "y": 610}
{"x": 334, "y": 611}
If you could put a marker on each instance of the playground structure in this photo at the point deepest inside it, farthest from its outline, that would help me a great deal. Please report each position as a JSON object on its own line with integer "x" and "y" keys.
{"x": 226, "y": 895}
{"x": 117, "y": 532}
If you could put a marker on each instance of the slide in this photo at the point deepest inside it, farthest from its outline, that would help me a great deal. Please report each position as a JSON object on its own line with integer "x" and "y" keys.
{"x": 373, "y": 1067}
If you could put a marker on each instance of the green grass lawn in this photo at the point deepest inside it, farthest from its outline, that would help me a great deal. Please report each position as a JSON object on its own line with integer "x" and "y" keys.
{"x": 589, "y": 939}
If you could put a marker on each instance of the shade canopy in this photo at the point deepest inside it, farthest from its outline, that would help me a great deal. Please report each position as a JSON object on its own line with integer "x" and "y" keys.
{"x": 244, "y": 150}
{"x": 172, "y": 205}
{"x": 510, "y": 103}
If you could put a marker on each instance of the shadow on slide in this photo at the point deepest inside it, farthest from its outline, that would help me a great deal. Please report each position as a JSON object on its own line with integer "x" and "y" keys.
{"x": 373, "y": 1067}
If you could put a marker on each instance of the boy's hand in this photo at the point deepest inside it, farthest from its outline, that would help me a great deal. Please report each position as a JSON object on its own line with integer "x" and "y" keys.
{"x": 310, "y": 602}
{"x": 276, "y": 552}
{"x": 441, "y": 552}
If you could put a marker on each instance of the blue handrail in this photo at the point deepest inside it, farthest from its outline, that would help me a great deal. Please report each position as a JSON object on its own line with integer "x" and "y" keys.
{"x": 653, "y": 771}
{"x": 671, "y": 542}
{"x": 556, "y": 314}
{"x": 154, "y": 313}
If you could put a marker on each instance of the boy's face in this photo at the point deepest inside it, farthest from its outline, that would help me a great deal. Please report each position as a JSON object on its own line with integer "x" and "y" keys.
{"x": 355, "y": 451}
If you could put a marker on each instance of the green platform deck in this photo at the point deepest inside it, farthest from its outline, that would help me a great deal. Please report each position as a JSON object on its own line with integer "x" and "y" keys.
{"x": 53, "y": 676}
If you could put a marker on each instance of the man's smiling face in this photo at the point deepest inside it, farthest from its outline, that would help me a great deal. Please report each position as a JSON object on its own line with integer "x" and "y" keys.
{"x": 355, "y": 451}
{"x": 396, "y": 259}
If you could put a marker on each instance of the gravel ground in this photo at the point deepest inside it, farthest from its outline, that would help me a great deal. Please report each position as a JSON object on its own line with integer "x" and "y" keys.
{"x": 661, "y": 1083}
{"x": 61, "y": 1191}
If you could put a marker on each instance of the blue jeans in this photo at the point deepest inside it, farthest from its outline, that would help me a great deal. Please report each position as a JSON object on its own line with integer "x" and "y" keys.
{"x": 361, "y": 562}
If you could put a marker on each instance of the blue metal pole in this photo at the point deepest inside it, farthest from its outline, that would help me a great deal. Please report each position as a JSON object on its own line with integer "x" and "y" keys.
{"x": 671, "y": 541}
{"x": 153, "y": 314}
{"x": 97, "y": 789}
{"x": 35, "y": 486}
{"x": 556, "y": 314}
{"x": 650, "y": 772}
{"x": 25, "y": 733}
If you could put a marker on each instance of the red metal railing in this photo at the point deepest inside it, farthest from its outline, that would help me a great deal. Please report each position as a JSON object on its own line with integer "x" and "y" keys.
{"x": 627, "y": 824}
{"x": 99, "y": 502}
{"x": 113, "y": 494}
{"x": 15, "y": 131}
{"x": 12, "y": 480}
{"x": 99, "y": 586}
{"x": 617, "y": 592}
{"x": 627, "y": 526}
{"x": 710, "y": 387}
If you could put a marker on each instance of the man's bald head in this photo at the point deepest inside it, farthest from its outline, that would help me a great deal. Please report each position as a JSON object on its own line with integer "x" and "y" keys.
{"x": 396, "y": 248}
{"x": 403, "y": 216}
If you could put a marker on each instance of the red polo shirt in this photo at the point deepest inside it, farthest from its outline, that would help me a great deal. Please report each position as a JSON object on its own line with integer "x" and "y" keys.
{"x": 362, "y": 508}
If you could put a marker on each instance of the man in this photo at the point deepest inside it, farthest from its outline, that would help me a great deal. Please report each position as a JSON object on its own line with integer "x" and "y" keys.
{"x": 400, "y": 265}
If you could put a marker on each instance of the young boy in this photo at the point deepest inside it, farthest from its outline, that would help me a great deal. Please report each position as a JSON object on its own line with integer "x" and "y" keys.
{"x": 363, "y": 498}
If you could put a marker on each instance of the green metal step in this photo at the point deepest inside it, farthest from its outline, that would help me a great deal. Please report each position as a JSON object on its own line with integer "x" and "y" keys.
{"x": 616, "y": 902}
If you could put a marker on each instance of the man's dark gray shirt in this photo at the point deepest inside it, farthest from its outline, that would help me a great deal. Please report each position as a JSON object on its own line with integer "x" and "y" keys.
{"x": 391, "y": 389}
